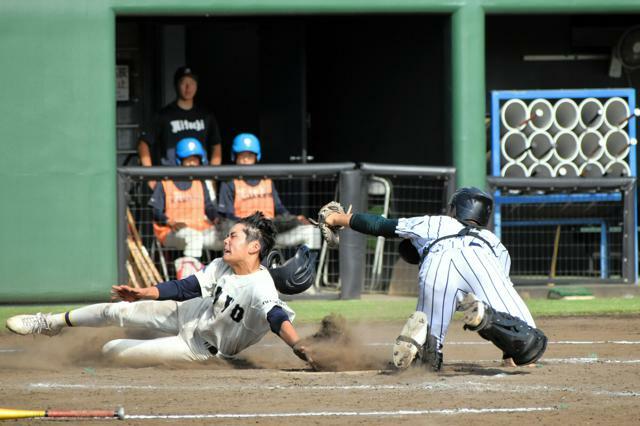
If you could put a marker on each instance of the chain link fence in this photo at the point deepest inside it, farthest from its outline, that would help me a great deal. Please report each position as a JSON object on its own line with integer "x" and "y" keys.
{"x": 574, "y": 230}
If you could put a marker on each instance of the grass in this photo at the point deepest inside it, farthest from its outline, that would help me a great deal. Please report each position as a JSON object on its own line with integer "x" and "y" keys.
{"x": 381, "y": 309}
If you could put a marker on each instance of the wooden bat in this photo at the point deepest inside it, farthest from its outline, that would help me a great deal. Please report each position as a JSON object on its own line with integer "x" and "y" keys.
{"x": 143, "y": 250}
{"x": 132, "y": 275}
{"x": 9, "y": 413}
{"x": 147, "y": 279}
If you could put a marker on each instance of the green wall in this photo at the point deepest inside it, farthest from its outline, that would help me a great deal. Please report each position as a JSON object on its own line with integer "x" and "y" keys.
{"x": 57, "y": 118}
{"x": 57, "y": 121}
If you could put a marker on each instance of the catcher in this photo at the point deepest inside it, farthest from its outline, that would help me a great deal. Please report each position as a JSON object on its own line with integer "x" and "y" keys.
{"x": 218, "y": 312}
{"x": 463, "y": 266}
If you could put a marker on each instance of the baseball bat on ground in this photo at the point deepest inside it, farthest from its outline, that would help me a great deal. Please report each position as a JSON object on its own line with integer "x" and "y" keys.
{"x": 9, "y": 413}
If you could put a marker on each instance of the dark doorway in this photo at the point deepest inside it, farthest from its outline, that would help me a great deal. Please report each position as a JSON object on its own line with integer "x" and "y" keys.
{"x": 338, "y": 88}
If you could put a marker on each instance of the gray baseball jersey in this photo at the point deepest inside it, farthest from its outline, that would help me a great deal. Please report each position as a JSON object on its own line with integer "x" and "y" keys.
{"x": 457, "y": 266}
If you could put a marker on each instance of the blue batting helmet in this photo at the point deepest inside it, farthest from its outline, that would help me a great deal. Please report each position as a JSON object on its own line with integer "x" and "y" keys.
{"x": 188, "y": 147}
{"x": 245, "y": 142}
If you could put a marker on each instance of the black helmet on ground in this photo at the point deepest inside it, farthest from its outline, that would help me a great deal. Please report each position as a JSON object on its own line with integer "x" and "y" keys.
{"x": 296, "y": 274}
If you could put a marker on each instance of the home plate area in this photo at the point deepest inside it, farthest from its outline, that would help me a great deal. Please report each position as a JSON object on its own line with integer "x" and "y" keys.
{"x": 589, "y": 375}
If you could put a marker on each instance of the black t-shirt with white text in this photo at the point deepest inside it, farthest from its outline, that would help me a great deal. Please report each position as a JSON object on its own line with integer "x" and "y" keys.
{"x": 173, "y": 124}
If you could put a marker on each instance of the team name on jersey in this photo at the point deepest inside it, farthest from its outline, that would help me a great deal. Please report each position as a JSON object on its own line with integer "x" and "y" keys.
{"x": 182, "y": 125}
{"x": 182, "y": 197}
{"x": 251, "y": 193}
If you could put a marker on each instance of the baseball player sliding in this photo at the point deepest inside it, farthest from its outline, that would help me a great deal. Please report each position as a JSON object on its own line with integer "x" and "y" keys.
{"x": 463, "y": 266}
{"x": 218, "y": 312}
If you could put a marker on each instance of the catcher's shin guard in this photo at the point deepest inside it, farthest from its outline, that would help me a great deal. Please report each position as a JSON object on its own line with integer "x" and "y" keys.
{"x": 513, "y": 336}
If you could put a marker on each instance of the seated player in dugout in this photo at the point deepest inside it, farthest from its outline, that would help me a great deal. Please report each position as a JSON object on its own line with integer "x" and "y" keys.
{"x": 240, "y": 197}
{"x": 218, "y": 312}
{"x": 463, "y": 266}
{"x": 184, "y": 215}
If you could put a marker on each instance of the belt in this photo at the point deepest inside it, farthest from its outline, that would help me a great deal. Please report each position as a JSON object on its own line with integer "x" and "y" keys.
{"x": 212, "y": 349}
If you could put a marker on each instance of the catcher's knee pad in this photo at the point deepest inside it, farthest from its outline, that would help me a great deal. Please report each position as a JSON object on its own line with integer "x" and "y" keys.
{"x": 516, "y": 338}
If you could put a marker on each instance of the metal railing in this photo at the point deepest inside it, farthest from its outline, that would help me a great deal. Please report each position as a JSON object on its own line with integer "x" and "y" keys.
{"x": 360, "y": 264}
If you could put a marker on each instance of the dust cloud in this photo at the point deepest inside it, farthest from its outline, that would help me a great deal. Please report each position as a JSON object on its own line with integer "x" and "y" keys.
{"x": 335, "y": 346}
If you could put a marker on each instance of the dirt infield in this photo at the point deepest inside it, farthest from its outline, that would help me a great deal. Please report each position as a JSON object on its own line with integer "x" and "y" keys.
{"x": 590, "y": 375}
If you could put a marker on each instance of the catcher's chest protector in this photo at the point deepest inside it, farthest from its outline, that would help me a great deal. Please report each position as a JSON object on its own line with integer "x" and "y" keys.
{"x": 516, "y": 338}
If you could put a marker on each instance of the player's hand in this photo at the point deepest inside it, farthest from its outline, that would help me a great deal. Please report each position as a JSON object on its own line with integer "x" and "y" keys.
{"x": 303, "y": 220}
{"x": 176, "y": 226}
{"x": 131, "y": 294}
{"x": 304, "y": 353}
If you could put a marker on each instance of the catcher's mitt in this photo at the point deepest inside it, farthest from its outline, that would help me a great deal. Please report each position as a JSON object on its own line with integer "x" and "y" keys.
{"x": 329, "y": 233}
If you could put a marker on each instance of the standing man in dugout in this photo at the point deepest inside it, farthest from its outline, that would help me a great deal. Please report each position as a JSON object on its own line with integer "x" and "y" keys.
{"x": 184, "y": 215}
{"x": 239, "y": 197}
{"x": 463, "y": 266}
{"x": 180, "y": 119}
{"x": 218, "y": 312}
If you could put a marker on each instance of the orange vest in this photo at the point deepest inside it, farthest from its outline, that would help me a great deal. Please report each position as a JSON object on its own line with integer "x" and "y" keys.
{"x": 183, "y": 206}
{"x": 249, "y": 199}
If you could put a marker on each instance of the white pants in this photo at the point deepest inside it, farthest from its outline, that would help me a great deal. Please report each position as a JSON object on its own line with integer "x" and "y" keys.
{"x": 177, "y": 318}
{"x": 193, "y": 241}
{"x": 301, "y": 234}
{"x": 447, "y": 276}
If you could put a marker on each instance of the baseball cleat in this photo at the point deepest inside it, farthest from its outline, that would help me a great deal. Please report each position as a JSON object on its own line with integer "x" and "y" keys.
{"x": 431, "y": 356}
{"x": 410, "y": 340}
{"x": 473, "y": 309}
{"x": 33, "y": 324}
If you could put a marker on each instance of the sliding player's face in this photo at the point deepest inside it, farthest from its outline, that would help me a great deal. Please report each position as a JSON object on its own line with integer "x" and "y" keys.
{"x": 236, "y": 246}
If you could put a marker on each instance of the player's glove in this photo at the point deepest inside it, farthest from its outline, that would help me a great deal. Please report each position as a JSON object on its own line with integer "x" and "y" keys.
{"x": 329, "y": 233}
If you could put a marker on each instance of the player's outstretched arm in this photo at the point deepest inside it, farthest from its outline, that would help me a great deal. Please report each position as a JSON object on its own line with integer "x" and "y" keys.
{"x": 131, "y": 294}
{"x": 339, "y": 219}
{"x": 179, "y": 290}
{"x": 289, "y": 335}
{"x": 365, "y": 223}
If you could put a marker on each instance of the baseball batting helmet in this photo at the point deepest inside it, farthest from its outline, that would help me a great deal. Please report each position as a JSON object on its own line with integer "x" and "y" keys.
{"x": 471, "y": 204}
{"x": 245, "y": 142}
{"x": 296, "y": 274}
{"x": 188, "y": 147}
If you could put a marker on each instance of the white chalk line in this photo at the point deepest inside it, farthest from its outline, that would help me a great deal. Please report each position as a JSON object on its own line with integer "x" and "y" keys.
{"x": 446, "y": 411}
{"x": 464, "y": 387}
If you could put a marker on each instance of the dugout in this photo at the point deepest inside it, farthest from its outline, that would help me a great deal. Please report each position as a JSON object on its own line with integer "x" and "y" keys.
{"x": 332, "y": 87}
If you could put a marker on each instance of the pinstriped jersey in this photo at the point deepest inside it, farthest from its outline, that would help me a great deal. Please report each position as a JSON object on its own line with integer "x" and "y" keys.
{"x": 424, "y": 230}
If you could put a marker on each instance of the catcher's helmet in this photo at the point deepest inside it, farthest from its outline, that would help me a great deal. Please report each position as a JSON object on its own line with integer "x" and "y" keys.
{"x": 245, "y": 142}
{"x": 471, "y": 204}
{"x": 188, "y": 147}
{"x": 296, "y": 274}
